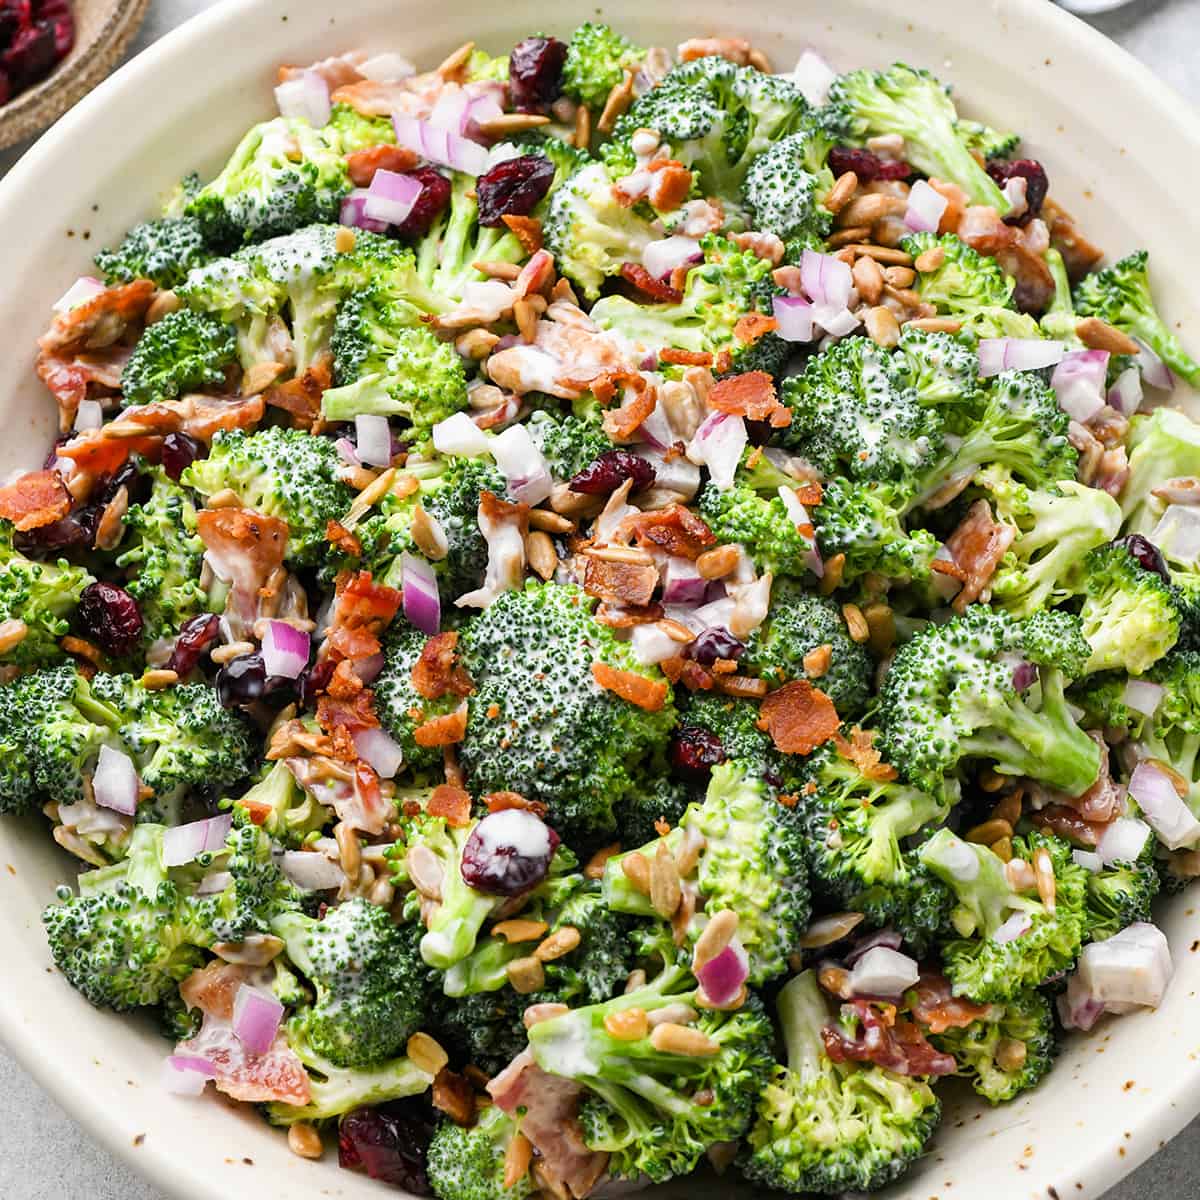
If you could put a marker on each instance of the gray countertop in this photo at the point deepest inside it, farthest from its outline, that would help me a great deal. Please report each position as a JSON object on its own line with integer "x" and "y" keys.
{"x": 43, "y": 1153}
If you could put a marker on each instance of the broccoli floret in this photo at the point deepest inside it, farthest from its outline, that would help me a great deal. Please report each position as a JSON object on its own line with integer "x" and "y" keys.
{"x": 950, "y": 696}
{"x": 597, "y": 59}
{"x": 1055, "y": 531}
{"x": 915, "y": 105}
{"x": 348, "y": 130}
{"x": 184, "y": 351}
{"x": 978, "y": 965}
{"x": 733, "y": 723}
{"x": 752, "y": 863}
{"x": 539, "y": 722}
{"x": 1007, "y": 1052}
{"x": 970, "y": 287}
{"x": 285, "y": 473}
{"x": 164, "y": 250}
{"x": 1164, "y": 444}
{"x": 42, "y": 595}
{"x": 983, "y": 139}
{"x": 485, "y": 1027}
{"x": 641, "y": 1110}
{"x": 281, "y": 807}
{"x": 762, "y": 525}
{"x": 941, "y": 370}
{"x": 784, "y": 191}
{"x": 1120, "y": 894}
{"x": 1129, "y": 614}
{"x": 799, "y": 623}
{"x": 655, "y": 799}
{"x": 368, "y": 976}
{"x": 568, "y": 442}
{"x": 1120, "y": 295}
{"x": 282, "y": 175}
{"x": 858, "y": 828}
{"x": 164, "y": 560}
{"x": 1186, "y": 585}
{"x": 831, "y": 1127}
{"x": 469, "y": 1163}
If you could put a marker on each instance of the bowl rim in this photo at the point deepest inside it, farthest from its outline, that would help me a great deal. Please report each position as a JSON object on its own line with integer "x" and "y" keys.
{"x": 1175, "y": 1103}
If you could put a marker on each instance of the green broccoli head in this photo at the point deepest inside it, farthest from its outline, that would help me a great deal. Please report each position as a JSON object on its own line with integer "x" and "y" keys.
{"x": 184, "y": 351}
{"x": 539, "y": 722}
{"x": 285, "y": 473}
{"x": 1129, "y": 615}
{"x": 798, "y": 623}
{"x": 654, "y": 798}
{"x": 1120, "y": 894}
{"x": 469, "y": 1163}
{"x": 831, "y": 1127}
{"x": 733, "y": 723}
{"x": 163, "y": 250}
{"x": 994, "y": 971}
{"x": 983, "y": 139}
{"x": 1007, "y": 1052}
{"x": 597, "y": 59}
{"x": 1164, "y": 444}
{"x": 915, "y": 105}
{"x": 941, "y": 370}
{"x": 1120, "y": 295}
{"x": 568, "y": 442}
{"x": 42, "y": 595}
{"x": 952, "y": 694}
{"x": 761, "y": 524}
{"x": 369, "y": 981}
{"x": 279, "y": 806}
{"x": 348, "y": 130}
{"x": 785, "y": 188}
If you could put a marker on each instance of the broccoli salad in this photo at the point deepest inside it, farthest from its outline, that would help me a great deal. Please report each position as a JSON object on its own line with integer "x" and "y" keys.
{"x": 606, "y": 611}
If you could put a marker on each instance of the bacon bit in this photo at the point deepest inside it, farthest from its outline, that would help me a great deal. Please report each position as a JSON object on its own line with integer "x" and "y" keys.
{"x": 799, "y": 717}
{"x": 675, "y": 530}
{"x": 362, "y": 164}
{"x": 627, "y": 616}
{"x": 101, "y": 321}
{"x": 670, "y": 186}
{"x": 492, "y": 711}
{"x": 662, "y": 827}
{"x": 685, "y": 358}
{"x": 620, "y": 583}
{"x": 345, "y": 643}
{"x": 810, "y": 494}
{"x": 69, "y": 376}
{"x": 744, "y": 686}
{"x": 977, "y": 546}
{"x": 35, "y": 499}
{"x": 437, "y": 672}
{"x": 637, "y": 276}
{"x": 753, "y": 326}
{"x": 527, "y": 231}
{"x": 453, "y": 803}
{"x": 362, "y": 603}
{"x": 900, "y": 1047}
{"x": 1079, "y": 255}
{"x": 454, "y": 1096}
{"x": 648, "y": 694}
{"x": 199, "y": 416}
{"x": 693, "y": 676}
{"x": 937, "y": 1008}
{"x": 351, "y": 715}
{"x": 943, "y": 566}
{"x": 443, "y": 731}
{"x": 723, "y": 362}
{"x": 338, "y": 536}
{"x": 750, "y": 395}
{"x": 344, "y": 684}
{"x": 861, "y": 751}
{"x": 622, "y": 423}
{"x": 956, "y": 204}
{"x": 500, "y": 801}
{"x": 302, "y": 396}
{"x": 1067, "y": 823}
{"x": 1104, "y": 799}
{"x": 788, "y": 799}
{"x": 736, "y": 50}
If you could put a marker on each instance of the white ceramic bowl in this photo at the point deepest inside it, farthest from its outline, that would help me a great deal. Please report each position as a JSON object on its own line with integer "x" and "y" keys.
{"x": 1122, "y": 152}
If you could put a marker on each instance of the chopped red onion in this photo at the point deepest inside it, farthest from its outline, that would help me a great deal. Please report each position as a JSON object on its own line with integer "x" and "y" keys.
{"x": 651, "y": 645}
{"x": 1177, "y": 534}
{"x": 1125, "y": 395}
{"x": 814, "y": 77}
{"x": 367, "y": 669}
{"x": 374, "y": 438}
{"x": 925, "y": 208}
{"x": 881, "y": 937}
{"x": 1143, "y": 696}
{"x": 379, "y": 751}
{"x": 662, "y": 257}
{"x": 1123, "y": 840}
{"x": 795, "y": 317}
{"x": 796, "y": 511}
{"x": 1155, "y": 372}
{"x": 718, "y": 444}
{"x": 441, "y": 146}
{"x": 353, "y": 212}
{"x": 676, "y": 474}
{"x": 724, "y": 975}
{"x": 714, "y": 613}
{"x": 460, "y": 435}
{"x": 184, "y": 843}
{"x": 311, "y": 870}
{"x": 115, "y": 782}
{"x": 346, "y": 452}
{"x": 814, "y": 562}
{"x": 1019, "y": 924}
{"x": 528, "y": 474}
{"x": 256, "y": 1018}
{"x": 422, "y": 601}
{"x": 1130, "y": 969}
{"x": 89, "y": 415}
{"x": 1024, "y": 675}
{"x": 386, "y": 68}
{"x": 85, "y": 288}
{"x": 656, "y": 429}
{"x": 450, "y": 110}
{"x": 826, "y": 280}
{"x": 485, "y": 106}
{"x": 1017, "y": 354}
{"x": 682, "y": 583}
{"x": 186, "y": 1074}
{"x": 1078, "y": 382}
{"x": 391, "y": 196}
{"x": 1088, "y": 860}
{"x": 214, "y": 882}
{"x": 1163, "y": 807}
{"x": 306, "y": 97}
{"x": 1077, "y": 1008}
{"x": 883, "y": 971}
{"x": 836, "y": 322}
{"x": 285, "y": 650}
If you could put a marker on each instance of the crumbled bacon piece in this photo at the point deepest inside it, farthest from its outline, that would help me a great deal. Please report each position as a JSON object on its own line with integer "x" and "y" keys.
{"x": 620, "y": 582}
{"x": 622, "y": 423}
{"x": 685, "y": 358}
{"x": 500, "y": 801}
{"x": 753, "y": 326}
{"x": 861, "y": 751}
{"x": 302, "y": 396}
{"x": 637, "y": 276}
{"x": 977, "y": 546}
{"x": 437, "y": 672}
{"x": 900, "y": 1047}
{"x": 625, "y": 616}
{"x": 810, "y": 494}
{"x": 943, "y": 566}
{"x": 344, "y": 684}
{"x": 35, "y": 499}
{"x": 361, "y": 165}
{"x": 1105, "y": 799}
{"x": 353, "y": 714}
{"x": 443, "y": 731}
{"x": 937, "y": 1008}
{"x": 670, "y": 186}
{"x": 688, "y": 672}
{"x": 750, "y": 395}
{"x": 1067, "y": 823}
{"x": 338, "y": 536}
{"x": 1079, "y": 255}
{"x": 454, "y": 1095}
{"x": 344, "y": 643}
{"x": 452, "y": 803}
{"x": 363, "y": 603}
{"x": 674, "y": 530}
{"x": 100, "y": 321}
{"x": 799, "y": 717}
{"x": 648, "y": 694}
{"x": 527, "y": 231}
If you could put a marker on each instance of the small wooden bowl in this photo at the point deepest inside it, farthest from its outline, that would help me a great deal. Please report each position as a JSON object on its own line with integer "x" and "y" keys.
{"x": 102, "y": 31}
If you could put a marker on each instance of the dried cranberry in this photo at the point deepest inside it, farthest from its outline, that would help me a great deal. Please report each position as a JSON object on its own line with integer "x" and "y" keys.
{"x": 433, "y": 198}
{"x": 715, "y": 642}
{"x": 64, "y": 35}
{"x": 314, "y": 681}
{"x": 10, "y": 25}
{"x": 1036, "y": 184}
{"x": 193, "y": 642}
{"x": 179, "y": 451}
{"x": 535, "y": 73}
{"x": 508, "y": 852}
{"x": 241, "y": 681}
{"x": 695, "y": 751}
{"x": 75, "y": 531}
{"x": 389, "y": 1144}
{"x": 865, "y": 165}
{"x": 109, "y": 615}
{"x": 1145, "y": 553}
{"x": 513, "y": 188}
{"x": 30, "y": 56}
{"x": 611, "y": 470}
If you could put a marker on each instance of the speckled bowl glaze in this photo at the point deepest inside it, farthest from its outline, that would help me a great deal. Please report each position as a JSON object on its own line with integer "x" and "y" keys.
{"x": 1123, "y": 153}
